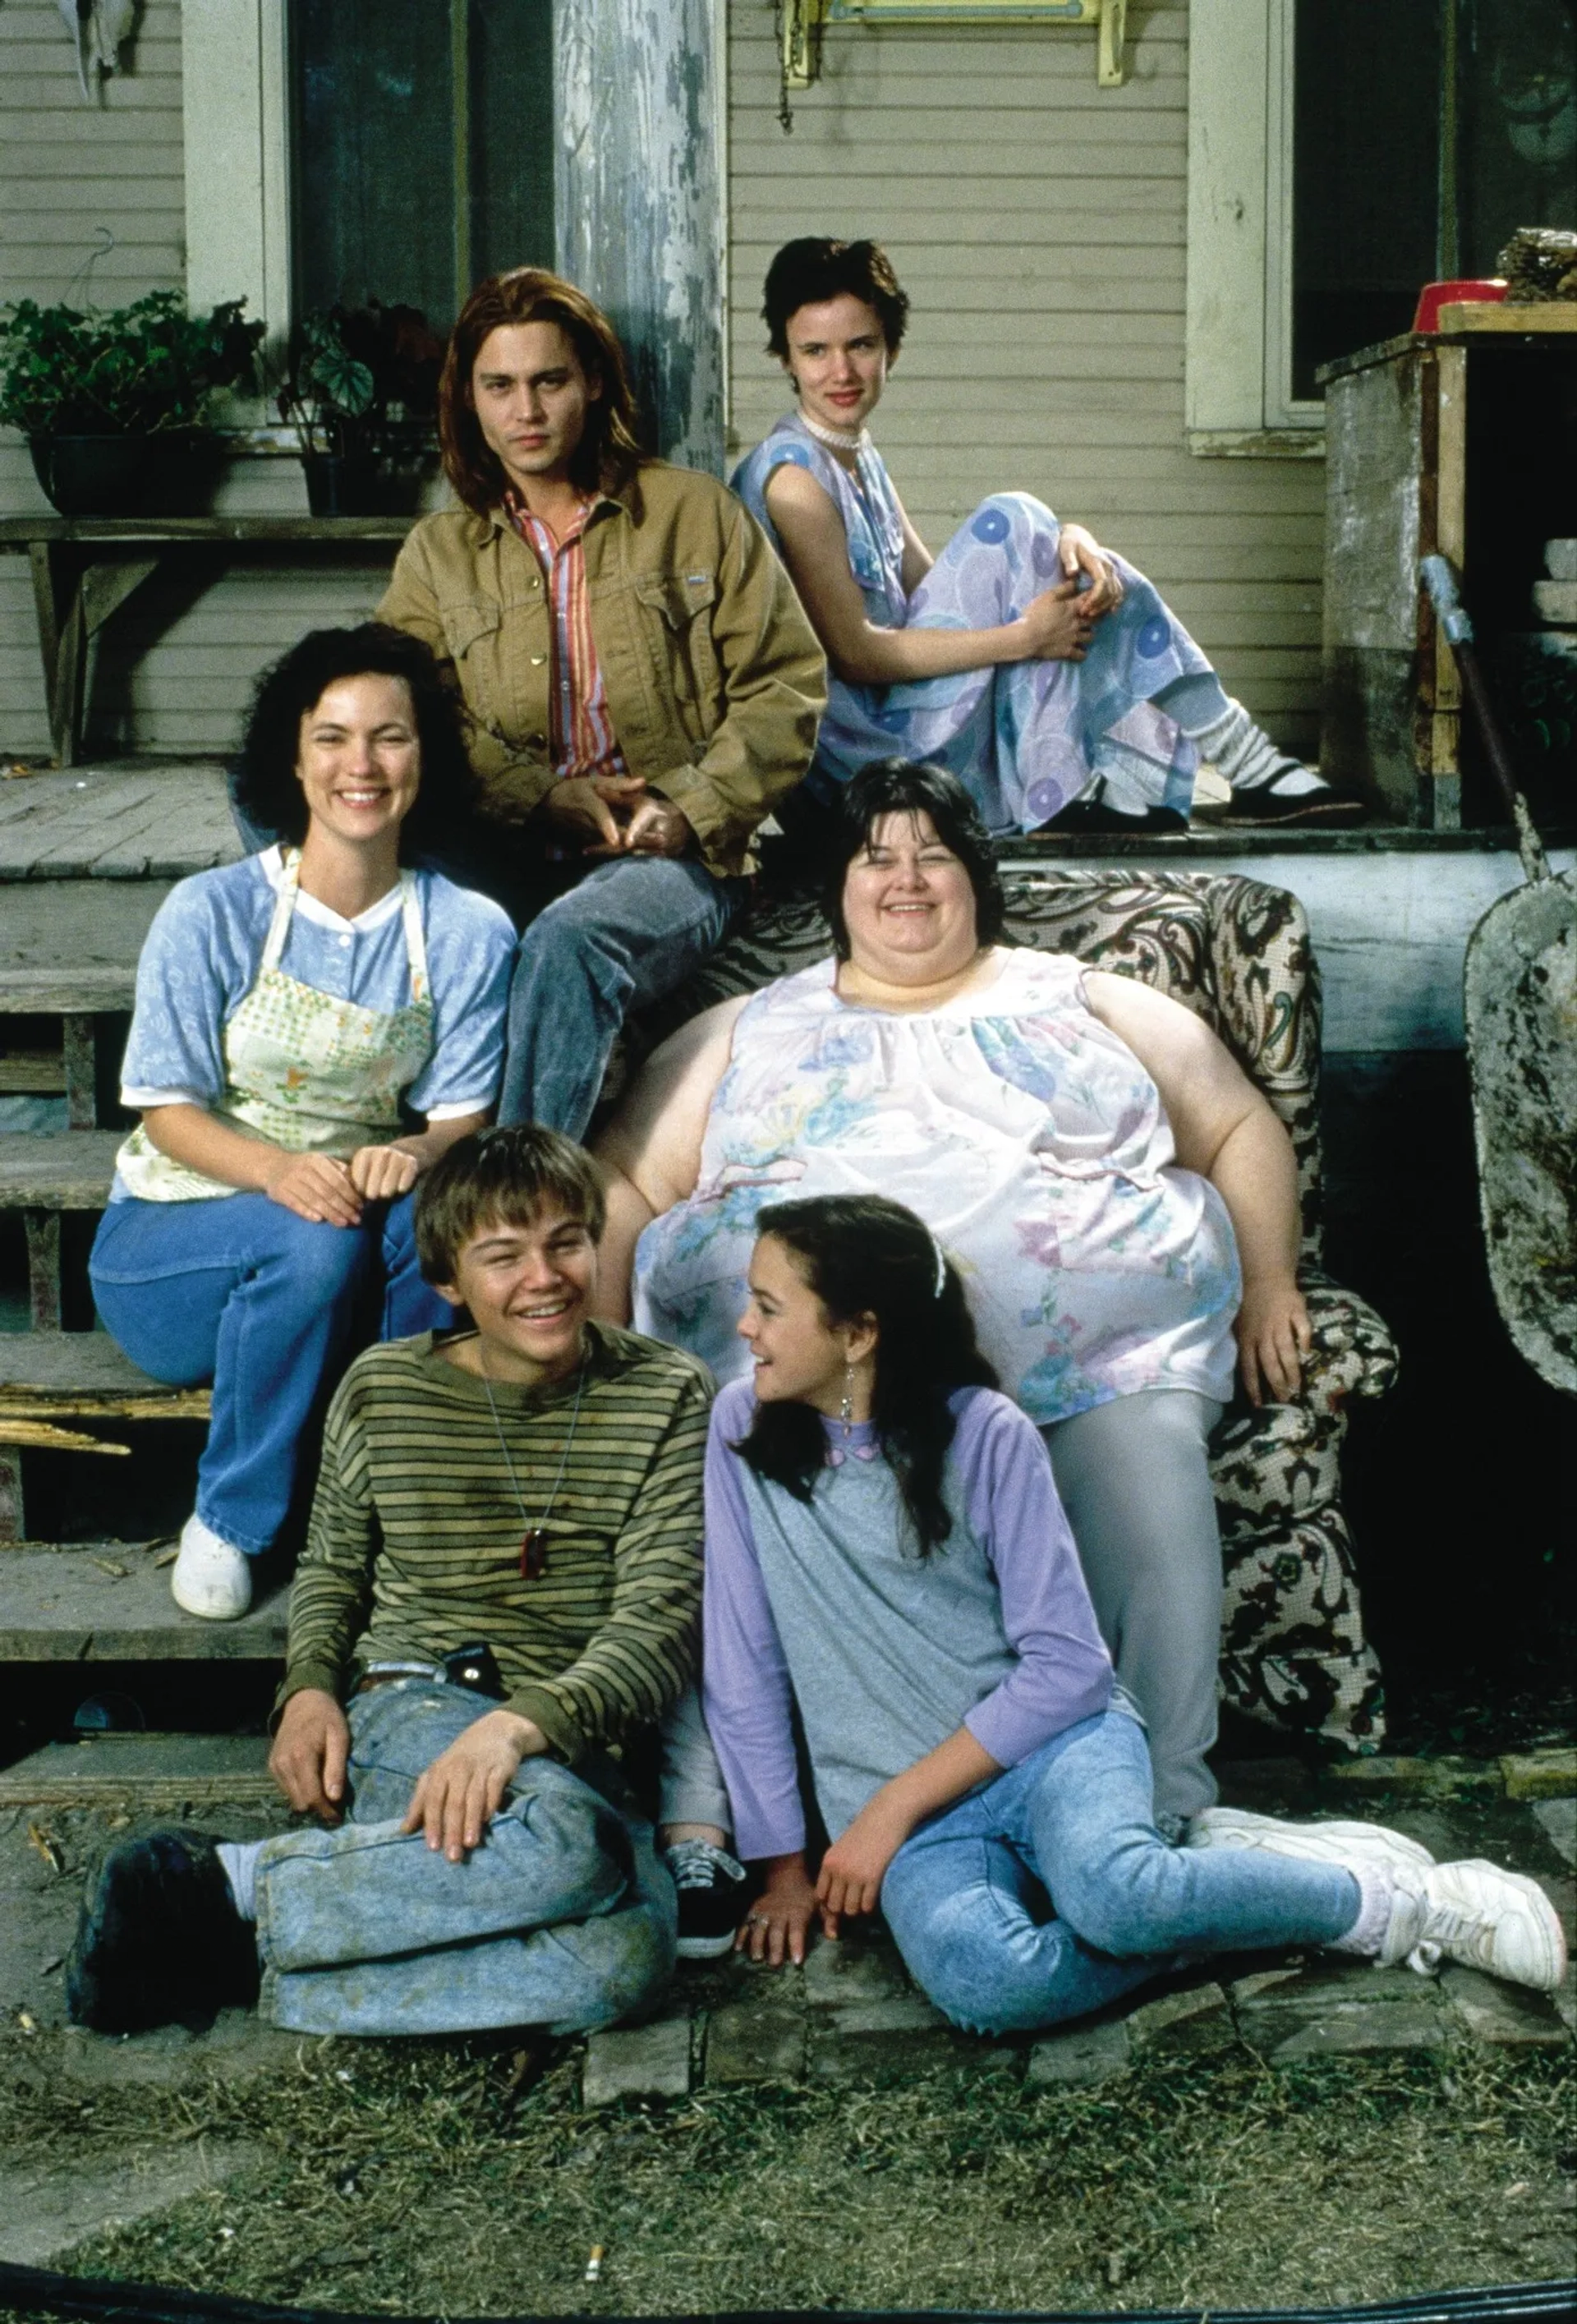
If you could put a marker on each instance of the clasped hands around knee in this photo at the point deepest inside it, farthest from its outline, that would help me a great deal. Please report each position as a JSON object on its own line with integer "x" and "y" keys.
{"x": 455, "y": 1796}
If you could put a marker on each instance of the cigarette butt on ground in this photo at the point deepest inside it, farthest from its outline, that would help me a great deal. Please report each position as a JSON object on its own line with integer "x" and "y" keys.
{"x": 594, "y": 2266}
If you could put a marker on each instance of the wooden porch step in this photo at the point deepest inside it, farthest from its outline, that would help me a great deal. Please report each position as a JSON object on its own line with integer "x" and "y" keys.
{"x": 69, "y": 1171}
{"x": 145, "y": 1771}
{"x": 68, "y": 1375}
{"x": 110, "y": 1602}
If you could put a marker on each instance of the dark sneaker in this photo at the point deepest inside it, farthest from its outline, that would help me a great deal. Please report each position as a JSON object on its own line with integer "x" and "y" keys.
{"x": 711, "y": 1886}
{"x": 159, "y": 1942}
{"x": 1291, "y": 800}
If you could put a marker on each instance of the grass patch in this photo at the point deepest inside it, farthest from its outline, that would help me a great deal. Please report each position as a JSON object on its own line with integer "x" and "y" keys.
{"x": 442, "y": 2177}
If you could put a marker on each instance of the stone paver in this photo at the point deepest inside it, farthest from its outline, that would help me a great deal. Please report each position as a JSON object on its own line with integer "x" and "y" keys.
{"x": 1508, "y": 2015}
{"x": 1333, "y": 2008}
{"x": 1082, "y": 2055}
{"x": 44, "y": 2211}
{"x": 1558, "y": 1820}
{"x": 637, "y": 2061}
{"x": 1540, "y": 1774}
{"x": 1195, "y": 2020}
{"x": 757, "y": 2041}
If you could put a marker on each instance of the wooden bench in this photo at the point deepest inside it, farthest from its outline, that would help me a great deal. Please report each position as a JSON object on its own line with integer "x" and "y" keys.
{"x": 84, "y": 569}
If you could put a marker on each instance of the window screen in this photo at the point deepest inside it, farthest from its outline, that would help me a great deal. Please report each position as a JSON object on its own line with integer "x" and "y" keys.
{"x": 422, "y": 147}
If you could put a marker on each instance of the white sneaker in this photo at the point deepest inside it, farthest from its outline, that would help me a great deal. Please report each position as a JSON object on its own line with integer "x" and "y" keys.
{"x": 1475, "y": 1913}
{"x": 1352, "y": 1846}
{"x": 211, "y": 1577}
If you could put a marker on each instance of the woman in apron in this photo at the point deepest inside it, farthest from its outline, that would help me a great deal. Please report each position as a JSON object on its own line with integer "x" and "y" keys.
{"x": 313, "y": 1027}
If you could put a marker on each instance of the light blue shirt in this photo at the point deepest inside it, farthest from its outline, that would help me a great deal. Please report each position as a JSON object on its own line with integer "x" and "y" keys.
{"x": 204, "y": 950}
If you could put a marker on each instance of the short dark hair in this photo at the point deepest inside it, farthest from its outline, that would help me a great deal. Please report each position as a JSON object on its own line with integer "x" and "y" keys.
{"x": 608, "y": 453}
{"x": 816, "y": 267}
{"x": 906, "y": 787}
{"x": 502, "y": 1177}
{"x": 865, "y": 1255}
{"x": 266, "y": 789}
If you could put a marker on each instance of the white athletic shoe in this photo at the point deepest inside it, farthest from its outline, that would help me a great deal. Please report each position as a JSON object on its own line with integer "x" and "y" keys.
{"x": 1354, "y": 1846}
{"x": 1475, "y": 1913}
{"x": 211, "y": 1577}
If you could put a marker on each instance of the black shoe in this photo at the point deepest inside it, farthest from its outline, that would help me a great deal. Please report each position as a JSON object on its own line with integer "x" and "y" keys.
{"x": 1268, "y": 806}
{"x": 159, "y": 1942}
{"x": 711, "y": 1886}
{"x": 1093, "y": 815}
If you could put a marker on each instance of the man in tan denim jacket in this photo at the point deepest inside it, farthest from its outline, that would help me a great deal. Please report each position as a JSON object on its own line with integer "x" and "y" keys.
{"x": 642, "y": 683}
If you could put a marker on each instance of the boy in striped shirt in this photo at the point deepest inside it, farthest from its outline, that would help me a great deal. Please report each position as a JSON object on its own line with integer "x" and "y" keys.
{"x": 509, "y": 1511}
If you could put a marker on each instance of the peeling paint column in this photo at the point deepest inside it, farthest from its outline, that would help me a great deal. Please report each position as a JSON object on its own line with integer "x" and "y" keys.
{"x": 638, "y": 199}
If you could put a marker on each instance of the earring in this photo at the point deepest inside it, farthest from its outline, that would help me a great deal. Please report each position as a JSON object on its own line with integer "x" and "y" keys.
{"x": 846, "y": 1409}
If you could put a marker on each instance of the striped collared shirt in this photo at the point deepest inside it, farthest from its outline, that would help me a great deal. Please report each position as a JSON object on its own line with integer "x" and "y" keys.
{"x": 415, "y": 1544}
{"x": 583, "y": 739}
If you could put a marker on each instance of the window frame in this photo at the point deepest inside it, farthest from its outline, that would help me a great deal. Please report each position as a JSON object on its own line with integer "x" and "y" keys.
{"x": 1238, "y": 357}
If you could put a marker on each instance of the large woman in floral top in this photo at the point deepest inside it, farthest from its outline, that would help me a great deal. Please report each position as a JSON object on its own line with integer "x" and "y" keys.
{"x": 1118, "y": 1197}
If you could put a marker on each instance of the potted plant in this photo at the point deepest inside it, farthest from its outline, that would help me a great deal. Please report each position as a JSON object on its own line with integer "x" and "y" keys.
{"x": 362, "y": 394}
{"x": 116, "y": 405}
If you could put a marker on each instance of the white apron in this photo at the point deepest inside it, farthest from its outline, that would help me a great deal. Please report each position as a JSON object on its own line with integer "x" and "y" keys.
{"x": 302, "y": 1070}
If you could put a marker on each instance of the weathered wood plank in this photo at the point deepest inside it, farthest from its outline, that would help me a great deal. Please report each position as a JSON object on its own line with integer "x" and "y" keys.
{"x": 149, "y": 1771}
{"x": 58, "y": 1606}
{"x": 70, "y": 1172}
{"x": 83, "y": 1375}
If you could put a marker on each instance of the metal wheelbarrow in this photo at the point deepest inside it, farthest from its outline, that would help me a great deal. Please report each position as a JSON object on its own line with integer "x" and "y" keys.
{"x": 1519, "y": 1003}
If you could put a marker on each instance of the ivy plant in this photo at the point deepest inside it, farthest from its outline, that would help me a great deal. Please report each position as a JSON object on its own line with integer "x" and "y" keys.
{"x": 148, "y": 369}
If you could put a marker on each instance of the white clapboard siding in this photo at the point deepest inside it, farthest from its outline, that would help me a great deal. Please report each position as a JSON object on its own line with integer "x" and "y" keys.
{"x": 1038, "y": 223}
{"x": 177, "y": 664}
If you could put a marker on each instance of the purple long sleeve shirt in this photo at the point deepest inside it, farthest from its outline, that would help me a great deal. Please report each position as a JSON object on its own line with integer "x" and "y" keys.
{"x": 828, "y": 1605}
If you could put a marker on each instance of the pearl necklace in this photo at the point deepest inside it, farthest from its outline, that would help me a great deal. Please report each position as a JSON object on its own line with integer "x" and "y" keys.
{"x": 840, "y": 439}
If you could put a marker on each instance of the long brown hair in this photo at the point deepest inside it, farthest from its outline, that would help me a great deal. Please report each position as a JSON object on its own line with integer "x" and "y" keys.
{"x": 608, "y": 453}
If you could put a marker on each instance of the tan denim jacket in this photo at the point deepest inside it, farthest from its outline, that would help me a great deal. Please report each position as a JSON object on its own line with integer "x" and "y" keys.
{"x": 714, "y": 679}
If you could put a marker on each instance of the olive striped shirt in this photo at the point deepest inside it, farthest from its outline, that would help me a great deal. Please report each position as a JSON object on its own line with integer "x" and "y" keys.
{"x": 415, "y": 1543}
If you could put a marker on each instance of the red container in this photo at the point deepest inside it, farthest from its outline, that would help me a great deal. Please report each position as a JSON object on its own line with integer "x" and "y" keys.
{"x": 1437, "y": 295}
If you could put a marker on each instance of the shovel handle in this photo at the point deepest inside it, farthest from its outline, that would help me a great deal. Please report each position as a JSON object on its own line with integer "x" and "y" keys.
{"x": 1453, "y": 618}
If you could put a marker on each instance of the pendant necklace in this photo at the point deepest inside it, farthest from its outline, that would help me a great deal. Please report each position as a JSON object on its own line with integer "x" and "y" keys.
{"x": 534, "y": 1537}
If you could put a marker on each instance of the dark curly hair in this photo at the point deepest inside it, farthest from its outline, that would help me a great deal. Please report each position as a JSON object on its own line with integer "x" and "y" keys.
{"x": 264, "y": 782}
{"x": 864, "y": 1255}
{"x": 816, "y": 267}
{"x": 905, "y": 787}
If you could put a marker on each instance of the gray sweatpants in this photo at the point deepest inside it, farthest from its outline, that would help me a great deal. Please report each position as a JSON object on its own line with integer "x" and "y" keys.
{"x": 1134, "y": 1480}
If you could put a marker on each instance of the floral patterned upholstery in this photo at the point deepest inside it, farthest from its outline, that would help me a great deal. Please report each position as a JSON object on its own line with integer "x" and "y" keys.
{"x": 1294, "y": 1654}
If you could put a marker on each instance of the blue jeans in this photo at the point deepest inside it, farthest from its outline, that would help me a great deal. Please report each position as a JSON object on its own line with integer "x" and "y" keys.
{"x": 623, "y": 937}
{"x": 562, "y": 1918}
{"x": 970, "y": 1898}
{"x": 241, "y": 1292}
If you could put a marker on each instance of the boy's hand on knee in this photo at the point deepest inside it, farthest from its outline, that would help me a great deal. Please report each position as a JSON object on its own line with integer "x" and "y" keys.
{"x": 457, "y": 1796}
{"x": 310, "y": 1753}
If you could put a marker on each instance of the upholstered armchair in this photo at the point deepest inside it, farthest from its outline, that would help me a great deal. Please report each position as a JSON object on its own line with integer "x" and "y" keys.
{"x": 1294, "y": 1654}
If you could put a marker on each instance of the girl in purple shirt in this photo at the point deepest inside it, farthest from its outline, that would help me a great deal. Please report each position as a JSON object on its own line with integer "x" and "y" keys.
{"x": 887, "y": 1553}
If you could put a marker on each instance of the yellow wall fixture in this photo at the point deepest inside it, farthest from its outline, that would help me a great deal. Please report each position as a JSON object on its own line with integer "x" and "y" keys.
{"x": 801, "y": 24}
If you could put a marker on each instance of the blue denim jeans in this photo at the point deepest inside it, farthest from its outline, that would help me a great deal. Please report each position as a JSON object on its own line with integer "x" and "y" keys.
{"x": 619, "y": 939}
{"x": 1070, "y": 1833}
{"x": 562, "y": 1918}
{"x": 241, "y": 1292}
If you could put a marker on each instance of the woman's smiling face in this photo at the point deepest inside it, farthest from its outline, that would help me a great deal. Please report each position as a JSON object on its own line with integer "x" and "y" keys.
{"x": 357, "y": 756}
{"x": 909, "y": 905}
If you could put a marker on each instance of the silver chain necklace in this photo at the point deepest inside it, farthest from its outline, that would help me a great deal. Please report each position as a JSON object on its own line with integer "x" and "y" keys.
{"x": 534, "y": 1538}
